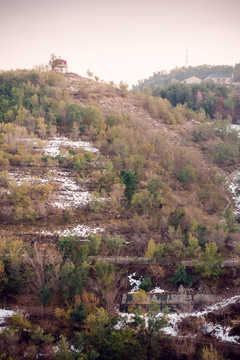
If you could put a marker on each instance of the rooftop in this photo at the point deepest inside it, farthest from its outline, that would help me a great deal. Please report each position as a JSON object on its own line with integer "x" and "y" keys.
{"x": 220, "y": 75}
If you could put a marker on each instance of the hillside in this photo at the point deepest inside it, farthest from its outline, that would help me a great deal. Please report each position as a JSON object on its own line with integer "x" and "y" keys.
{"x": 102, "y": 189}
{"x": 163, "y": 78}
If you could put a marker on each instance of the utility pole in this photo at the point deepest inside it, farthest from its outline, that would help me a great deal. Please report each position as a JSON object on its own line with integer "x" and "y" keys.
{"x": 186, "y": 58}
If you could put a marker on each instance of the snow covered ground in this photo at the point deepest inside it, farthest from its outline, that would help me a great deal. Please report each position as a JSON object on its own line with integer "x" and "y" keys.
{"x": 68, "y": 192}
{"x": 82, "y": 231}
{"x": 235, "y": 127}
{"x": 234, "y": 187}
{"x": 216, "y": 330}
{"x": 174, "y": 321}
{"x": 3, "y": 315}
{"x": 54, "y": 145}
{"x": 136, "y": 283}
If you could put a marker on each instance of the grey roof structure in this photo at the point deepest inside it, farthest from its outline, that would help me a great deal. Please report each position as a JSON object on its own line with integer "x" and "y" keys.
{"x": 219, "y": 76}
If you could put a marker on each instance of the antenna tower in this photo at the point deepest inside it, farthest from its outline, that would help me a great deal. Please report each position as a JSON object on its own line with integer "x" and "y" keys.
{"x": 186, "y": 58}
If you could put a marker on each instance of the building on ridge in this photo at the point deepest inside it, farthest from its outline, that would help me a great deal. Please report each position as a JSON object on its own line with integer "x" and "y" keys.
{"x": 60, "y": 65}
{"x": 220, "y": 79}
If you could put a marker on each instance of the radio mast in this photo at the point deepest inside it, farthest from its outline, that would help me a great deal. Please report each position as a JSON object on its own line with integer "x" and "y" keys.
{"x": 186, "y": 58}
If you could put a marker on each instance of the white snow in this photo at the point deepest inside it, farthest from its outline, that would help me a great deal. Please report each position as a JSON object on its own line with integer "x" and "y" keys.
{"x": 54, "y": 145}
{"x": 216, "y": 330}
{"x": 157, "y": 290}
{"x": 68, "y": 193}
{"x": 22, "y": 178}
{"x": 221, "y": 332}
{"x": 79, "y": 230}
{"x": 234, "y": 187}
{"x": 4, "y": 314}
{"x": 235, "y": 127}
{"x": 134, "y": 282}
{"x": 174, "y": 319}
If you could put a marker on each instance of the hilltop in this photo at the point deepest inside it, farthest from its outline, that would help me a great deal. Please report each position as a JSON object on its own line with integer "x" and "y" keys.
{"x": 163, "y": 78}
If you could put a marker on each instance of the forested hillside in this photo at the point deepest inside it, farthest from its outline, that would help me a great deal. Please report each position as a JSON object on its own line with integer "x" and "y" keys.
{"x": 164, "y": 78}
{"x": 101, "y": 187}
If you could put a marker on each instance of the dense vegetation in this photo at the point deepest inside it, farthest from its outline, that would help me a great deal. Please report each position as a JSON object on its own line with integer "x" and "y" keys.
{"x": 163, "y": 78}
{"x": 160, "y": 193}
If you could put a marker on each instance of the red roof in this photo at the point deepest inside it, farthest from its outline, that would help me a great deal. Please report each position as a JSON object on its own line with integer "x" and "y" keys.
{"x": 61, "y": 61}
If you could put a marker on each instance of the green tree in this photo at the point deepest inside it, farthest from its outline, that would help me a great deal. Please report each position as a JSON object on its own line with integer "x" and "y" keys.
{"x": 78, "y": 314}
{"x": 97, "y": 325}
{"x": 150, "y": 336}
{"x": 3, "y": 277}
{"x": 181, "y": 276}
{"x": 63, "y": 350}
{"x": 193, "y": 249}
{"x": 73, "y": 278}
{"x": 130, "y": 180}
{"x": 210, "y": 262}
{"x": 155, "y": 251}
{"x": 104, "y": 271}
{"x": 187, "y": 175}
{"x": 45, "y": 295}
{"x": 116, "y": 244}
{"x": 94, "y": 243}
{"x": 69, "y": 248}
{"x": 120, "y": 345}
{"x": 146, "y": 284}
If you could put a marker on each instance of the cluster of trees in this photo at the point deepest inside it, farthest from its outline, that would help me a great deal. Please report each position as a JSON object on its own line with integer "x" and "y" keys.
{"x": 69, "y": 300}
{"x": 163, "y": 78}
{"x": 218, "y": 101}
{"x": 40, "y": 102}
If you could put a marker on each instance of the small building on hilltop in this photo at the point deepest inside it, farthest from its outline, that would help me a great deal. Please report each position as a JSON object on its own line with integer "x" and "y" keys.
{"x": 60, "y": 65}
{"x": 192, "y": 80}
{"x": 220, "y": 79}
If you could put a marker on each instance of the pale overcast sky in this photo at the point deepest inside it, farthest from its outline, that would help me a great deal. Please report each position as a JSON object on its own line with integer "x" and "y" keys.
{"x": 118, "y": 40}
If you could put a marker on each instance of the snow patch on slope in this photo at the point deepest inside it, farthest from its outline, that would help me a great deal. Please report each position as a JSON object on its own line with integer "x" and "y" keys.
{"x": 219, "y": 331}
{"x": 82, "y": 231}
{"x": 53, "y": 146}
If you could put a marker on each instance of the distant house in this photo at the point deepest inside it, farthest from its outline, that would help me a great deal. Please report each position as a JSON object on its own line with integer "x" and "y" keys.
{"x": 192, "y": 80}
{"x": 221, "y": 79}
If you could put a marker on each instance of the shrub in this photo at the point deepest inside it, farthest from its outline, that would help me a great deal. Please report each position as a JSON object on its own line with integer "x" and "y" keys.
{"x": 94, "y": 243}
{"x": 146, "y": 284}
{"x": 226, "y": 154}
{"x": 130, "y": 180}
{"x": 210, "y": 262}
{"x": 181, "y": 277}
{"x": 187, "y": 175}
{"x": 155, "y": 251}
{"x": 78, "y": 314}
{"x": 209, "y": 353}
